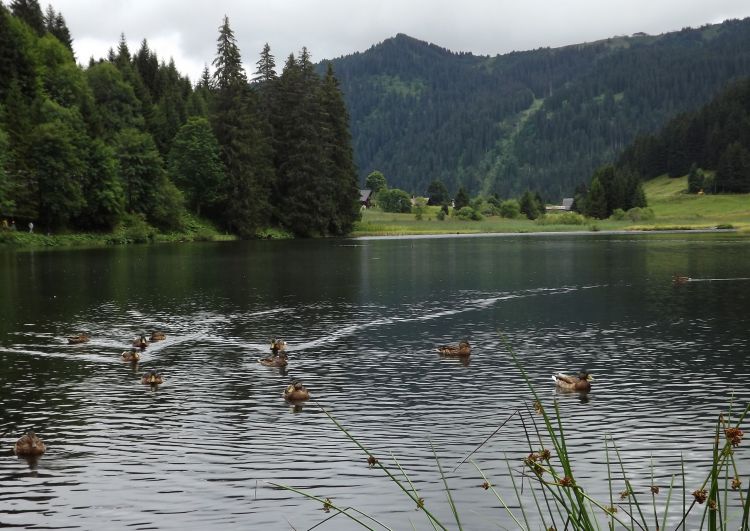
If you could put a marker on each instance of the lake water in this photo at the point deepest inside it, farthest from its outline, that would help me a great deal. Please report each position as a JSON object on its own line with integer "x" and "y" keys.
{"x": 362, "y": 319}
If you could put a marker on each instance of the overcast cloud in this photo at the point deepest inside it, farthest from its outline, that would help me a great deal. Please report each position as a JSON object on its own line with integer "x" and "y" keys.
{"x": 187, "y": 30}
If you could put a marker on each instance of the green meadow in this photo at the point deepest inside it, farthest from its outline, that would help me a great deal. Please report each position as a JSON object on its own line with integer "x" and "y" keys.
{"x": 673, "y": 209}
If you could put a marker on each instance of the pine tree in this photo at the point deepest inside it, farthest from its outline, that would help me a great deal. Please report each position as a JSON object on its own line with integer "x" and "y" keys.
{"x": 245, "y": 151}
{"x": 596, "y": 200}
{"x": 55, "y": 24}
{"x": 342, "y": 173}
{"x": 31, "y": 13}
{"x": 266, "y": 70}
{"x": 461, "y": 200}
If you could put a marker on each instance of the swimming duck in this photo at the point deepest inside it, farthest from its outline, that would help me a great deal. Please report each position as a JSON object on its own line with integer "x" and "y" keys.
{"x": 279, "y": 360}
{"x": 158, "y": 336}
{"x": 29, "y": 445}
{"x": 580, "y": 382}
{"x": 278, "y": 345}
{"x": 131, "y": 355}
{"x": 463, "y": 349}
{"x": 680, "y": 279}
{"x": 140, "y": 342}
{"x": 152, "y": 378}
{"x": 80, "y": 338}
{"x": 296, "y": 392}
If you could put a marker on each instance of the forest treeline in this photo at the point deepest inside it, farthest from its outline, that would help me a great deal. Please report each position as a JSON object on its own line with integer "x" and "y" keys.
{"x": 128, "y": 139}
{"x": 543, "y": 120}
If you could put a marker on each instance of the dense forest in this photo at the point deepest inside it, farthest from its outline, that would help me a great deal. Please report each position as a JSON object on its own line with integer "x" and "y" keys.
{"x": 541, "y": 120}
{"x": 716, "y": 137}
{"x": 128, "y": 139}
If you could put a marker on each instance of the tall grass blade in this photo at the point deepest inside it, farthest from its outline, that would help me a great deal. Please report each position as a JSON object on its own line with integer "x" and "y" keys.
{"x": 447, "y": 488}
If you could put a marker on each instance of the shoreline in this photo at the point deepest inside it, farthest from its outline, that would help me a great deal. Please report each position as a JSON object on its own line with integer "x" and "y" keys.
{"x": 544, "y": 233}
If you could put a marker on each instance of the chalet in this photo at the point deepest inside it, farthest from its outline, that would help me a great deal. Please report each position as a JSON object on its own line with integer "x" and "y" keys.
{"x": 365, "y": 196}
{"x": 566, "y": 206}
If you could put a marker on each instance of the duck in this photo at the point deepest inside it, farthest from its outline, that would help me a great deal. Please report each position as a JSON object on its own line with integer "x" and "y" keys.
{"x": 29, "y": 445}
{"x": 140, "y": 342}
{"x": 296, "y": 392}
{"x": 680, "y": 279}
{"x": 152, "y": 377}
{"x": 158, "y": 336}
{"x": 463, "y": 349}
{"x": 131, "y": 355}
{"x": 278, "y": 345}
{"x": 580, "y": 382}
{"x": 80, "y": 338}
{"x": 279, "y": 360}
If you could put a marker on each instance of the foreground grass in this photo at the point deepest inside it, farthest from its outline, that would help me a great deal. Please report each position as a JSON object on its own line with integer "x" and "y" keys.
{"x": 673, "y": 209}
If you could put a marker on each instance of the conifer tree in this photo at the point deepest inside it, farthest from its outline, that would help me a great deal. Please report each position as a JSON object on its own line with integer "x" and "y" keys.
{"x": 31, "y": 13}
{"x": 342, "y": 174}
{"x": 596, "y": 200}
{"x": 245, "y": 151}
{"x": 55, "y": 24}
{"x": 266, "y": 70}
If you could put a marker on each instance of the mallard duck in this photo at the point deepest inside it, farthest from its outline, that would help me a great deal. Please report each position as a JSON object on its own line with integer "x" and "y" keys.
{"x": 131, "y": 355}
{"x": 152, "y": 378}
{"x": 278, "y": 345}
{"x": 158, "y": 336}
{"x": 80, "y": 338}
{"x": 140, "y": 342}
{"x": 29, "y": 445}
{"x": 296, "y": 392}
{"x": 280, "y": 360}
{"x": 580, "y": 382}
{"x": 463, "y": 349}
{"x": 680, "y": 279}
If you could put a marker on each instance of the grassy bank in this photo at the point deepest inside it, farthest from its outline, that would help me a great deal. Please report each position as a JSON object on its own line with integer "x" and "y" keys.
{"x": 673, "y": 209}
{"x": 134, "y": 230}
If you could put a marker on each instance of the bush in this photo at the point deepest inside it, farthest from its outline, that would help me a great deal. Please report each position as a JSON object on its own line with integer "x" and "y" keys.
{"x": 394, "y": 200}
{"x": 441, "y": 215}
{"x": 468, "y": 214}
{"x": 565, "y": 218}
{"x": 510, "y": 209}
{"x": 618, "y": 214}
{"x": 641, "y": 214}
{"x": 137, "y": 230}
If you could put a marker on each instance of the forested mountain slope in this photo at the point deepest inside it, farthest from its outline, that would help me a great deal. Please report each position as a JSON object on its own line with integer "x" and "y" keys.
{"x": 541, "y": 119}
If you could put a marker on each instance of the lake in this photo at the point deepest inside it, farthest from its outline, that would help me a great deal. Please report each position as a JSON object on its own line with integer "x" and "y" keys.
{"x": 362, "y": 319}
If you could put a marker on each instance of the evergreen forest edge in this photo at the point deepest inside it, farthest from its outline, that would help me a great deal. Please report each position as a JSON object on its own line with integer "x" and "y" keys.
{"x": 128, "y": 140}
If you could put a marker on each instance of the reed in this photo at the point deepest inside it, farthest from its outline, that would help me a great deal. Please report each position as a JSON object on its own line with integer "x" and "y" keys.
{"x": 555, "y": 498}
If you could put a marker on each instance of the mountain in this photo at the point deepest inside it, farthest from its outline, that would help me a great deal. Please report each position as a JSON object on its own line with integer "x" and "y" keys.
{"x": 542, "y": 119}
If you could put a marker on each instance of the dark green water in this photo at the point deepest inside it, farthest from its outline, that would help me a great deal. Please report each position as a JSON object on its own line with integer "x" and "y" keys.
{"x": 362, "y": 319}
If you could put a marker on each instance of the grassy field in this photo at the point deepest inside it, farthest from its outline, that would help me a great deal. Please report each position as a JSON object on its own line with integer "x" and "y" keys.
{"x": 674, "y": 209}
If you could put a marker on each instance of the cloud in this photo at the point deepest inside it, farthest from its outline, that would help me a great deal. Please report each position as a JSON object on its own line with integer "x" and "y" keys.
{"x": 187, "y": 30}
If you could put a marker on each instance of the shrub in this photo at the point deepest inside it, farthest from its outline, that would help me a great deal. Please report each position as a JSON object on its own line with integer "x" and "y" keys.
{"x": 641, "y": 214}
{"x": 564, "y": 218}
{"x": 468, "y": 214}
{"x": 618, "y": 214}
{"x": 441, "y": 215}
{"x": 510, "y": 209}
{"x": 394, "y": 200}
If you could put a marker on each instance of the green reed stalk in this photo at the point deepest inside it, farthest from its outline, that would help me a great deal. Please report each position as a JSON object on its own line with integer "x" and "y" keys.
{"x": 447, "y": 488}
{"x": 499, "y": 498}
{"x": 420, "y": 502}
{"x": 518, "y": 495}
{"x": 632, "y": 498}
{"x": 328, "y": 504}
{"x": 609, "y": 481}
{"x": 666, "y": 507}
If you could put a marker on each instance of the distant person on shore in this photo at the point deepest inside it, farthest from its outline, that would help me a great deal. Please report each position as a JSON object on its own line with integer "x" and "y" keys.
{"x": 31, "y": 226}
{"x": 13, "y": 224}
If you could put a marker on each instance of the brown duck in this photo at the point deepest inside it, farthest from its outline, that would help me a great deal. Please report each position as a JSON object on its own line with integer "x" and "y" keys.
{"x": 580, "y": 382}
{"x": 463, "y": 349}
{"x": 152, "y": 378}
{"x": 80, "y": 338}
{"x": 140, "y": 342}
{"x": 29, "y": 445}
{"x": 158, "y": 336}
{"x": 296, "y": 392}
{"x": 131, "y": 355}
{"x": 280, "y": 360}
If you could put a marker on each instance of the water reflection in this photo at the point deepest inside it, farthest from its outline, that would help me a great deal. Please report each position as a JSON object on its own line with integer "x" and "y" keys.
{"x": 362, "y": 324}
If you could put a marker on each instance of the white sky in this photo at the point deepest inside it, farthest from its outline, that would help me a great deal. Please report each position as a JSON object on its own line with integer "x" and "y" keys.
{"x": 186, "y": 30}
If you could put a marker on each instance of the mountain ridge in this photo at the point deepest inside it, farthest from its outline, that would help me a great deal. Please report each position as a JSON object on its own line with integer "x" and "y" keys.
{"x": 538, "y": 119}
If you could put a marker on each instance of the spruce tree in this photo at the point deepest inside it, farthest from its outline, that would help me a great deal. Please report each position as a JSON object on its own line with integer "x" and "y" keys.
{"x": 245, "y": 151}
{"x": 596, "y": 200}
{"x": 266, "y": 70}
{"x": 31, "y": 13}
{"x": 342, "y": 173}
